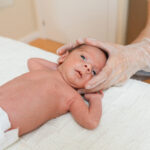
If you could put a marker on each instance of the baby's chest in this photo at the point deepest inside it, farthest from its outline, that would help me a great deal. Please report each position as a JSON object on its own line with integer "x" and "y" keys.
{"x": 61, "y": 98}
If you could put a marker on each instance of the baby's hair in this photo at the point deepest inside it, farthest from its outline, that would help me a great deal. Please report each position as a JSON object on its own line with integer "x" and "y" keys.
{"x": 106, "y": 54}
{"x": 75, "y": 48}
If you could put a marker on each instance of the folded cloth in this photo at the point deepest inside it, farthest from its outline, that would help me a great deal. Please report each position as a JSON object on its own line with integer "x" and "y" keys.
{"x": 6, "y": 137}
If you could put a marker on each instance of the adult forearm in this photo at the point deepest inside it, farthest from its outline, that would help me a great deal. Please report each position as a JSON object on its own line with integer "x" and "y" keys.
{"x": 141, "y": 52}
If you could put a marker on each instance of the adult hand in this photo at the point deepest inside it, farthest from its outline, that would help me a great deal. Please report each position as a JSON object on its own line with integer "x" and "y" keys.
{"x": 63, "y": 49}
{"x": 123, "y": 62}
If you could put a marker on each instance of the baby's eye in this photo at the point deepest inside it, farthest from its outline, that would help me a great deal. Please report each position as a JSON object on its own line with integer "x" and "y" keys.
{"x": 94, "y": 73}
{"x": 83, "y": 57}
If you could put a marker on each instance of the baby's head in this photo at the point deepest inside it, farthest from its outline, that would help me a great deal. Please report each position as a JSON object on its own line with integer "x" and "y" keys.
{"x": 81, "y": 64}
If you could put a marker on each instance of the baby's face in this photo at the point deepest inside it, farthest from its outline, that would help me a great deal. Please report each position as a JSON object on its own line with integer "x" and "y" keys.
{"x": 81, "y": 65}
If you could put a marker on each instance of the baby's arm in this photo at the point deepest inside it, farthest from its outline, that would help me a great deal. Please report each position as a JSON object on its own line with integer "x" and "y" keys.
{"x": 87, "y": 116}
{"x": 38, "y": 63}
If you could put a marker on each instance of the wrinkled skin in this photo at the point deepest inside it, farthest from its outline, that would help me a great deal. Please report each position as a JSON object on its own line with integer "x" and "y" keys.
{"x": 123, "y": 62}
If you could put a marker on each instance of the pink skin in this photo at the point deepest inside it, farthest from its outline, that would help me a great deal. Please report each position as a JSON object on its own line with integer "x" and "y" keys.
{"x": 81, "y": 65}
{"x": 47, "y": 91}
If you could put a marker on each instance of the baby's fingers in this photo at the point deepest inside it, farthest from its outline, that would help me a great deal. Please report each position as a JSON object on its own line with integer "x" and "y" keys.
{"x": 94, "y": 95}
{"x": 92, "y": 90}
{"x": 87, "y": 96}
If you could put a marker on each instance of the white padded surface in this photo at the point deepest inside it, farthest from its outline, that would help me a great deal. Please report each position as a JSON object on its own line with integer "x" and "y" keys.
{"x": 125, "y": 123}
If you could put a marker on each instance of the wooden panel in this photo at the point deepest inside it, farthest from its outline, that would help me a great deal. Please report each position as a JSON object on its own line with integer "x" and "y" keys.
{"x": 148, "y": 81}
{"x": 136, "y": 19}
{"x": 46, "y": 44}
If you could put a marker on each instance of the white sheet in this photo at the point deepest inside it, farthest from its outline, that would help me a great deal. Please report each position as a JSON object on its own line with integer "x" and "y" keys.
{"x": 125, "y": 123}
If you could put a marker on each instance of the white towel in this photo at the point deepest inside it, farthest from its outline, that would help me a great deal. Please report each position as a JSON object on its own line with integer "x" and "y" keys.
{"x": 6, "y": 137}
{"x": 125, "y": 123}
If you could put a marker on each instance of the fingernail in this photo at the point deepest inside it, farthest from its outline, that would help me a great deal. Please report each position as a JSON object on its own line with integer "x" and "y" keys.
{"x": 80, "y": 40}
{"x": 57, "y": 51}
{"x": 91, "y": 39}
{"x": 88, "y": 87}
{"x": 101, "y": 92}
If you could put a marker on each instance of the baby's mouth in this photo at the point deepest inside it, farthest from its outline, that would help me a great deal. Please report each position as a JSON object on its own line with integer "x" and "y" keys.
{"x": 79, "y": 73}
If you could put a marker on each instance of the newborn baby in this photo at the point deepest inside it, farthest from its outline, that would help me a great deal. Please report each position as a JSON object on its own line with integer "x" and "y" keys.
{"x": 48, "y": 90}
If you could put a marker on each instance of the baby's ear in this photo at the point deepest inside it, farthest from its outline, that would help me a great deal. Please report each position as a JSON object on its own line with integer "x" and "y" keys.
{"x": 62, "y": 58}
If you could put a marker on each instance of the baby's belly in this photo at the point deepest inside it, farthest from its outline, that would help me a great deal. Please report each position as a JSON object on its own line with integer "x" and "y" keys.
{"x": 30, "y": 103}
{"x": 28, "y": 107}
{"x": 27, "y": 93}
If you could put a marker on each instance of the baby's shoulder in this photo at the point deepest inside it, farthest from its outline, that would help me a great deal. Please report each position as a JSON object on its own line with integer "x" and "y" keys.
{"x": 73, "y": 94}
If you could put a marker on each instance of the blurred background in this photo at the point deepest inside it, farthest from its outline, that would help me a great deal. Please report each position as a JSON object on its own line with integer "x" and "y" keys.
{"x": 48, "y": 24}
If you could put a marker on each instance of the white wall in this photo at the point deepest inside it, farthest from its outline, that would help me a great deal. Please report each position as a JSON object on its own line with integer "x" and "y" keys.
{"x": 101, "y": 19}
{"x": 122, "y": 21}
{"x": 70, "y": 19}
{"x": 18, "y": 20}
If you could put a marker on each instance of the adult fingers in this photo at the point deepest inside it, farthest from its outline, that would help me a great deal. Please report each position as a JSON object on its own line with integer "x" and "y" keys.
{"x": 64, "y": 48}
{"x": 108, "y": 47}
{"x": 100, "y": 78}
{"x": 69, "y": 46}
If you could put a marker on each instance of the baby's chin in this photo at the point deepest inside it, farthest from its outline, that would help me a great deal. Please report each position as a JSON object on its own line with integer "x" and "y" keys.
{"x": 77, "y": 85}
{"x": 71, "y": 79}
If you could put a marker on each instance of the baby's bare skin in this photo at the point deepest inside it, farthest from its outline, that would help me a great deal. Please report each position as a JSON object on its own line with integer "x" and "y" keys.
{"x": 33, "y": 98}
{"x": 47, "y": 91}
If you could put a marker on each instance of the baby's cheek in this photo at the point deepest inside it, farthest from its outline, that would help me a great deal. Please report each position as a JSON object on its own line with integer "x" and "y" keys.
{"x": 87, "y": 79}
{"x": 81, "y": 83}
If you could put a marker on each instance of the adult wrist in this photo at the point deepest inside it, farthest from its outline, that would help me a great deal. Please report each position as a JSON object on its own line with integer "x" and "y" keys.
{"x": 141, "y": 54}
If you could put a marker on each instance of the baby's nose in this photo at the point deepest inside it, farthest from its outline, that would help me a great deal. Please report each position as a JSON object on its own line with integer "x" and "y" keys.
{"x": 88, "y": 68}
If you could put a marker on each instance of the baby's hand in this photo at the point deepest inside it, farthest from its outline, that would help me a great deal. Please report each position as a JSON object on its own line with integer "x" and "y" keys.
{"x": 94, "y": 96}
